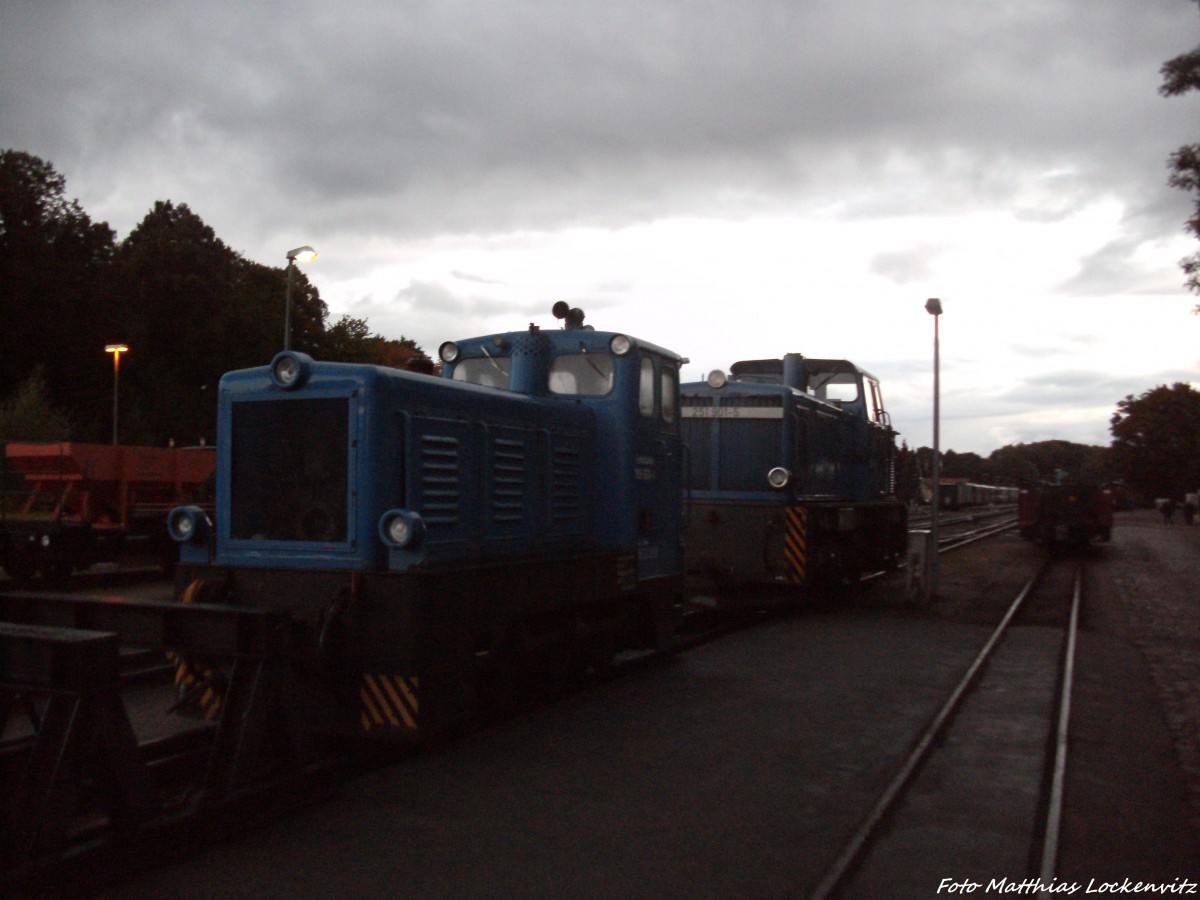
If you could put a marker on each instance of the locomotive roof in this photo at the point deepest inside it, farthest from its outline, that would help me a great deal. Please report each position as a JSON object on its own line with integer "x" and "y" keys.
{"x": 775, "y": 366}
{"x": 570, "y": 338}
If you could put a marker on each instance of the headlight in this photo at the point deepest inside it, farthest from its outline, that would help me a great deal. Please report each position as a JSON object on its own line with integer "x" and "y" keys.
{"x": 183, "y": 528}
{"x": 399, "y": 531}
{"x": 620, "y": 344}
{"x": 779, "y": 478}
{"x": 188, "y": 523}
{"x": 45, "y": 540}
{"x": 289, "y": 370}
{"x": 448, "y": 352}
{"x": 400, "y": 528}
{"x": 716, "y": 379}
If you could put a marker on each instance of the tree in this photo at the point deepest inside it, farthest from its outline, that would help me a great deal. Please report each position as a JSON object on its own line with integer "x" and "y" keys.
{"x": 1042, "y": 460}
{"x": 1013, "y": 464}
{"x": 175, "y": 279}
{"x": 962, "y": 465}
{"x": 350, "y": 340}
{"x": 54, "y": 263}
{"x": 1156, "y": 440}
{"x": 189, "y": 307}
{"x": 192, "y": 309}
{"x": 30, "y": 416}
{"x": 1180, "y": 75}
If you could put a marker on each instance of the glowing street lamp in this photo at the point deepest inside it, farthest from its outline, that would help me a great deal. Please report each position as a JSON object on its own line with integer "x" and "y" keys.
{"x": 116, "y": 350}
{"x": 304, "y": 254}
{"x": 933, "y": 306}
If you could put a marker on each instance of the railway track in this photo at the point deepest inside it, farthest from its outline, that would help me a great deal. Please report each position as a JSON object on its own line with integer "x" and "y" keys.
{"x": 968, "y": 536}
{"x": 190, "y": 784}
{"x": 1008, "y": 714}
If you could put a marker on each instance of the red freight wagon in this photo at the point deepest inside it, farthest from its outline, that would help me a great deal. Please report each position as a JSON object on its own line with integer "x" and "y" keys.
{"x": 69, "y": 505}
{"x": 1067, "y": 513}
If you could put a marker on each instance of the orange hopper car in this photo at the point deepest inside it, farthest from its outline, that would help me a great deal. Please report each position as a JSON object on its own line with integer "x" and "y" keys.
{"x": 67, "y": 506}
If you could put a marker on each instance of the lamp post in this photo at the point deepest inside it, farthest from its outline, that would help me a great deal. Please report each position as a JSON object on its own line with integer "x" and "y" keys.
{"x": 116, "y": 350}
{"x": 933, "y": 306}
{"x": 304, "y": 254}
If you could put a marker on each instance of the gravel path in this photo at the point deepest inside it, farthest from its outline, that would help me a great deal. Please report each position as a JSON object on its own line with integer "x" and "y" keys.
{"x": 1154, "y": 571}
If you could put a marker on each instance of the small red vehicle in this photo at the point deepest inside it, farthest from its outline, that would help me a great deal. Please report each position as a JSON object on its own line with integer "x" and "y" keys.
{"x": 67, "y": 506}
{"x": 1067, "y": 513}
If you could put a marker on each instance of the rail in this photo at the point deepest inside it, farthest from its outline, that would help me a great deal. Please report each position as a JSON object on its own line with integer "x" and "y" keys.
{"x": 868, "y": 833}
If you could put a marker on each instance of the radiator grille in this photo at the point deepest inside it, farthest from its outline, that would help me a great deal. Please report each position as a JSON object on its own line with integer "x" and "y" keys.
{"x": 440, "y": 479}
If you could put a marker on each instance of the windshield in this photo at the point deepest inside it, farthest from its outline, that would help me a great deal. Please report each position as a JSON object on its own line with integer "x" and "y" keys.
{"x": 485, "y": 370}
{"x": 839, "y": 387}
{"x": 581, "y": 374}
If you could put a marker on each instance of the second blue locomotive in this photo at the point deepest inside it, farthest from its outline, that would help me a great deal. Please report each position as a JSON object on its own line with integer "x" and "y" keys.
{"x": 791, "y": 478}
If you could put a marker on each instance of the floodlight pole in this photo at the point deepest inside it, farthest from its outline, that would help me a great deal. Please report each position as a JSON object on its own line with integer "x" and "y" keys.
{"x": 116, "y": 350}
{"x": 933, "y": 306}
{"x": 306, "y": 253}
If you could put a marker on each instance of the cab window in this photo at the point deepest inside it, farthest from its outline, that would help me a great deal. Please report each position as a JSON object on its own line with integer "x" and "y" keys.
{"x": 581, "y": 375}
{"x": 487, "y": 371}
{"x": 877, "y": 414}
{"x": 670, "y": 381}
{"x": 834, "y": 387}
{"x": 646, "y": 388}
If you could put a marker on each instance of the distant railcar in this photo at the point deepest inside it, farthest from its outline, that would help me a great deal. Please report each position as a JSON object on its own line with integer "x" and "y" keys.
{"x": 791, "y": 474}
{"x": 1066, "y": 513}
{"x": 958, "y": 493}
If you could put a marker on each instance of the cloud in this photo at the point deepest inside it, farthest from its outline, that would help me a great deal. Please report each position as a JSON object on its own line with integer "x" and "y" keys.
{"x": 445, "y": 116}
{"x": 731, "y": 179}
{"x": 478, "y": 279}
{"x": 906, "y": 266}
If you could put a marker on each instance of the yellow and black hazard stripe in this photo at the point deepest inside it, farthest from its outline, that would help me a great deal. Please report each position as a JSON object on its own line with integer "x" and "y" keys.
{"x": 199, "y": 686}
{"x": 389, "y": 701}
{"x": 796, "y": 544}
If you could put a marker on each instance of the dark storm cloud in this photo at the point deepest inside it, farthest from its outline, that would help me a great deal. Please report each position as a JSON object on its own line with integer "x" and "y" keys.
{"x": 426, "y": 116}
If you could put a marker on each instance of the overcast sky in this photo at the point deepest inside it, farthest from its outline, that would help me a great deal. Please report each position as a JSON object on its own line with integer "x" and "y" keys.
{"x": 727, "y": 179}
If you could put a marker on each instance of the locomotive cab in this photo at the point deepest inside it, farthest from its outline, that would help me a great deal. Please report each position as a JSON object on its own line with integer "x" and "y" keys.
{"x": 834, "y": 381}
{"x": 631, "y": 390}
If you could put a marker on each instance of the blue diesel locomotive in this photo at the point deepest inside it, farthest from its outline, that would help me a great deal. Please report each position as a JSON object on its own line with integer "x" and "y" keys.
{"x": 791, "y": 474}
{"x": 429, "y": 534}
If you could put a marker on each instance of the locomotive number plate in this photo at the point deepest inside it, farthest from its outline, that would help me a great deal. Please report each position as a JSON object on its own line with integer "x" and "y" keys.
{"x": 731, "y": 412}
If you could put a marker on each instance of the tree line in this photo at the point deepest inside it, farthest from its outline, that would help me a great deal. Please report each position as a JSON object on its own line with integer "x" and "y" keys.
{"x": 1155, "y": 452}
{"x": 191, "y": 308}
